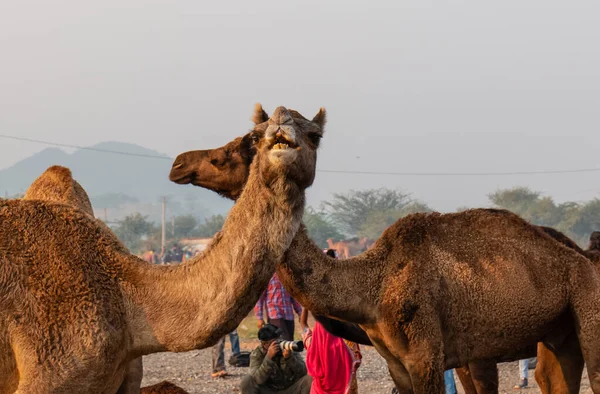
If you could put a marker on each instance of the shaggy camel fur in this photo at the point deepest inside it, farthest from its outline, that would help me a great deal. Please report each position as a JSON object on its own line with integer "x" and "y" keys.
{"x": 552, "y": 375}
{"x": 430, "y": 285}
{"x": 559, "y": 370}
{"x": 76, "y": 307}
{"x": 57, "y": 185}
{"x": 348, "y": 248}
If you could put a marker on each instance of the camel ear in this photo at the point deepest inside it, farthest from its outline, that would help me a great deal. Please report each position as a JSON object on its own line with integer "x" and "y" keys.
{"x": 320, "y": 118}
{"x": 259, "y": 116}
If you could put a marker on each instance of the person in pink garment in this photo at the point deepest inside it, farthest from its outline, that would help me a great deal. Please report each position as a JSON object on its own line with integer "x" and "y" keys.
{"x": 330, "y": 361}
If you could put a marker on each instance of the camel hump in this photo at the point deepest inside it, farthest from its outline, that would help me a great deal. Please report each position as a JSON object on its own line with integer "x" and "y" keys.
{"x": 56, "y": 184}
{"x": 163, "y": 387}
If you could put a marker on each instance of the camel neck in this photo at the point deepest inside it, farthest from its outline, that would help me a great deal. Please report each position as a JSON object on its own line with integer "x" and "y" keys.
{"x": 345, "y": 289}
{"x": 193, "y": 304}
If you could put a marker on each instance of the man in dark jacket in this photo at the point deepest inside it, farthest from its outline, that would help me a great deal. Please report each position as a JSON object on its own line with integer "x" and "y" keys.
{"x": 273, "y": 370}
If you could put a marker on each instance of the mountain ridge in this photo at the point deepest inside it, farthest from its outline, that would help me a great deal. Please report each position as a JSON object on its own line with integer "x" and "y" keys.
{"x": 128, "y": 181}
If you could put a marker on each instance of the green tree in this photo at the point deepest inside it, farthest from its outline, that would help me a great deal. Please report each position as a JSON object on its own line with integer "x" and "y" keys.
{"x": 210, "y": 226}
{"x": 184, "y": 226}
{"x": 530, "y": 205}
{"x": 518, "y": 200}
{"x": 133, "y": 230}
{"x": 586, "y": 221}
{"x": 577, "y": 221}
{"x": 319, "y": 227}
{"x": 351, "y": 210}
{"x": 377, "y": 221}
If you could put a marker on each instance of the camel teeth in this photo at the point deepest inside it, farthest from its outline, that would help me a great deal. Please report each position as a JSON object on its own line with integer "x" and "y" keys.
{"x": 280, "y": 146}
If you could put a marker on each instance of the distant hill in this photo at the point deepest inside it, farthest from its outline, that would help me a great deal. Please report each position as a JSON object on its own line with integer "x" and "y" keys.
{"x": 120, "y": 183}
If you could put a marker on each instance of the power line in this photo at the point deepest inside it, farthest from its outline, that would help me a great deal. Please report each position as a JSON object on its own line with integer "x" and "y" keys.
{"x": 439, "y": 174}
{"x": 85, "y": 147}
{"x": 462, "y": 173}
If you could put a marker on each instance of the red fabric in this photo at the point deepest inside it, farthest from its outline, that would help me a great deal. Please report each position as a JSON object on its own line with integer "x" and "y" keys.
{"x": 329, "y": 361}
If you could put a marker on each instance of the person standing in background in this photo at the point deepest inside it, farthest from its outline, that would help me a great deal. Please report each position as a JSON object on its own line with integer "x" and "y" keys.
{"x": 280, "y": 307}
{"x": 218, "y": 354}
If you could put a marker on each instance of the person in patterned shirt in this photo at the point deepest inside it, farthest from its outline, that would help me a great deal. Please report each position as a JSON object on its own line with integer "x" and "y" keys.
{"x": 280, "y": 308}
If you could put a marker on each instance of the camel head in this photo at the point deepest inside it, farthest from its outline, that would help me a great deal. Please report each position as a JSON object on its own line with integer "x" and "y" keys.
{"x": 288, "y": 139}
{"x": 218, "y": 169}
{"x": 595, "y": 241}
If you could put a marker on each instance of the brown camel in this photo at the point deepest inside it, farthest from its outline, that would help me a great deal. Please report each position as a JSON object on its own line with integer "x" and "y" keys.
{"x": 76, "y": 307}
{"x": 57, "y": 185}
{"x": 348, "y": 248}
{"x": 477, "y": 377}
{"x": 430, "y": 271}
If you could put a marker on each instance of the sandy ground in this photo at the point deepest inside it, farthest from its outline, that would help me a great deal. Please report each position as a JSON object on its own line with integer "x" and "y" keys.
{"x": 192, "y": 370}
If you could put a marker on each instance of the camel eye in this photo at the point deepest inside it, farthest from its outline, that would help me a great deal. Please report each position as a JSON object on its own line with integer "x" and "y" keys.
{"x": 315, "y": 138}
{"x": 255, "y": 139}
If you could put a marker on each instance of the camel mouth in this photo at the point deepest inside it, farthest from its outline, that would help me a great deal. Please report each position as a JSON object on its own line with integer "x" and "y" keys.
{"x": 280, "y": 142}
{"x": 182, "y": 178}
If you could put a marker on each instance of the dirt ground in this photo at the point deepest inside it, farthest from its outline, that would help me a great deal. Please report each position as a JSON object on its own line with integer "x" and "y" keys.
{"x": 192, "y": 370}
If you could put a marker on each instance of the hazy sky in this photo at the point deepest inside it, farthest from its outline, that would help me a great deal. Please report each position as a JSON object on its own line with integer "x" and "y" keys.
{"x": 410, "y": 86}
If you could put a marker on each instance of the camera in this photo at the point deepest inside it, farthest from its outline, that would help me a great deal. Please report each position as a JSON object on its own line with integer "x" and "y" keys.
{"x": 296, "y": 346}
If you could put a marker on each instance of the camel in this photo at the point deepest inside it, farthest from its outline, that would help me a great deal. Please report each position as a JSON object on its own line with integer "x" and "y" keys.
{"x": 462, "y": 272}
{"x": 76, "y": 307}
{"x": 478, "y": 377}
{"x": 348, "y": 248}
{"x": 57, "y": 185}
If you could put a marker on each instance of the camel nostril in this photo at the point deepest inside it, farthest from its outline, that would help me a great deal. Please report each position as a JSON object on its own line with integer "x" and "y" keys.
{"x": 177, "y": 166}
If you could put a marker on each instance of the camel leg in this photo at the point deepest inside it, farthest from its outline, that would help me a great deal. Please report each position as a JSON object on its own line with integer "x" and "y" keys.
{"x": 559, "y": 370}
{"x": 484, "y": 374}
{"x": 585, "y": 306}
{"x": 400, "y": 377}
{"x": 464, "y": 375}
{"x": 479, "y": 377}
{"x": 426, "y": 370}
{"x": 397, "y": 371}
{"x": 133, "y": 378}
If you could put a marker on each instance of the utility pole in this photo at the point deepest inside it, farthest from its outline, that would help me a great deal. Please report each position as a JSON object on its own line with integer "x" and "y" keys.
{"x": 105, "y": 216}
{"x": 173, "y": 224}
{"x": 162, "y": 241}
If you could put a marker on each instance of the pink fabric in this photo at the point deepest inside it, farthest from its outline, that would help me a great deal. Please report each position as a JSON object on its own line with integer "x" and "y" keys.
{"x": 329, "y": 361}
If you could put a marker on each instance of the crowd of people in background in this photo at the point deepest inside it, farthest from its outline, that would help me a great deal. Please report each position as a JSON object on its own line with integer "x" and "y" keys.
{"x": 176, "y": 254}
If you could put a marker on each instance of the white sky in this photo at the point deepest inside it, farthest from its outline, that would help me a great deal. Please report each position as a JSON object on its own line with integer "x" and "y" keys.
{"x": 427, "y": 86}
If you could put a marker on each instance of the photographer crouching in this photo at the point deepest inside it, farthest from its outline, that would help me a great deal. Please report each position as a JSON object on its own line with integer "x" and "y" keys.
{"x": 276, "y": 370}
